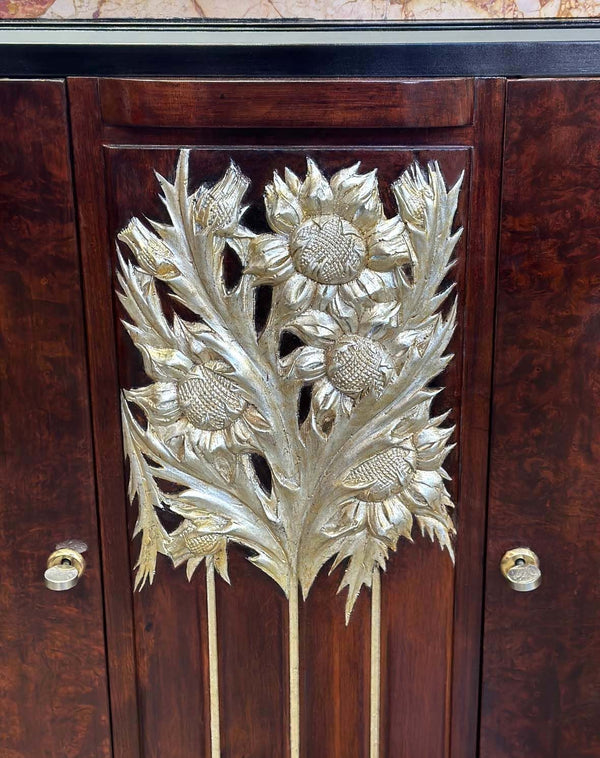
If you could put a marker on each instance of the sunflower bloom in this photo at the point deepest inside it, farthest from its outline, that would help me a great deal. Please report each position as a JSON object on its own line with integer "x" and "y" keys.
{"x": 331, "y": 239}
{"x": 194, "y": 406}
{"x": 350, "y": 354}
{"x": 403, "y": 483}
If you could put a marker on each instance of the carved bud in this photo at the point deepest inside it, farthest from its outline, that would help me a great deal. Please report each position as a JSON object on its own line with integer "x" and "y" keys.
{"x": 219, "y": 207}
{"x": 153, "y": 256}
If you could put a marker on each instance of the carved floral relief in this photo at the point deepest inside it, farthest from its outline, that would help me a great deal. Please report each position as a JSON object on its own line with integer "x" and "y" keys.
{"x": 364, "y": 295}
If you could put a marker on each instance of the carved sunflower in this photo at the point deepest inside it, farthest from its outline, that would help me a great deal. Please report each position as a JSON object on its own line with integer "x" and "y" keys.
{"x": 194, "y": 405}
{"x": 402, "y": 483}
{"x": 350, "y": 353}
{"x": 331, "y": 238}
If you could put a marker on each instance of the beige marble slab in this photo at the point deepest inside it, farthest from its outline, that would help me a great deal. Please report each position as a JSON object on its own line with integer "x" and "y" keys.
{"x": 330, "y": 10}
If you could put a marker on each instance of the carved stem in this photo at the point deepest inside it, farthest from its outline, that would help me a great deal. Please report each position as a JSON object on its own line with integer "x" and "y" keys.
{"x": 375, "y": 663}
{"x": 213, "y": 661}
{"x": 294, "y": 664}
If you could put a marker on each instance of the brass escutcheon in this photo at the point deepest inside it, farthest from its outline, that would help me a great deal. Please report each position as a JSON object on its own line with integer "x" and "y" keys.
{"x": 521, "y": 569}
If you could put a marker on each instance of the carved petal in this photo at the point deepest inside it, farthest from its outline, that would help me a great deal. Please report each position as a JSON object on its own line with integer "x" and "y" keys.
{"x": 298, "y": 292}
{"x": 432, "y": 447}
{"x": 292, "y": 181}
{"x": 357, "y": 197}
{"x": 437, "y": 529}
{"x": 269, "y": 259}
{"x": 379, "y": 321}
{"x": 158, "y": 401}
{"x": 343, "y": 180}
{"x": 164, "y": 363}
{"x": 255, "y": 419}
{"x": 399, "y": 516}
{"x": 316, "y": 196}
{"x": 316, "y": 328}
{"x": 346, "y": 314}
{"x": 389, "y": 245}
{"x": 389, "y": 518}
{"x": 368, "y": 286}
{"x": 412, "y": 191}
{"x": 430, "y": 487}
{"x": 282, "y": 206}
{"x": 305, "y": 363}
{"x": 188, "y": 505}
{"x": 327, "y": 403}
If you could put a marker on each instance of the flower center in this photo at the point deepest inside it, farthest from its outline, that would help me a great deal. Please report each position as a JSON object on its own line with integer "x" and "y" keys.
{"x": 354, "y": 365}
{"x": 328, "y": 249}
{"x": 390, "y": 472}
{"x": 210, "y": 401}
{"x": 201, "y": 544}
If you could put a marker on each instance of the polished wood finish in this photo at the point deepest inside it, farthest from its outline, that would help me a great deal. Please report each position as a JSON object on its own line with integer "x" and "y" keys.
{"x": 541, "y": 664}
{"x": 97, "y": 284}
{"x": 53, "y": 684}
{"x": 273, "y": 103}
{"x": 431, "y": 616}
{"x": 475, "y": 413}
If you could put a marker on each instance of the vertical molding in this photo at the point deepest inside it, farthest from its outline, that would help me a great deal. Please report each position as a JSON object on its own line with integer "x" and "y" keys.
{"x": 104, "y": 388}
{"x": 479, "y": 317}
{"x": 213, "y": 660}
{"x": 294, "y": 670}
{"x": 375, "y": 708}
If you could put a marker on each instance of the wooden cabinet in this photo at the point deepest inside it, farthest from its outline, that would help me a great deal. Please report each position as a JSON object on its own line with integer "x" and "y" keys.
{"x": 541, "y": 678}
{"x": 155, "y": 641}
{"x": 53, "y": 687}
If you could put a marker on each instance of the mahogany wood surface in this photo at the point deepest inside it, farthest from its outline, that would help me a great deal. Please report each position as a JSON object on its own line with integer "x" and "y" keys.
{"x": 53, "y": 684}
{"x": 332, "y": 103}
{"x": 476, "y": 388}
{"x": 541, "y": 664}
{"x": 97, "y": 286}
{"x": 431, "y": 614}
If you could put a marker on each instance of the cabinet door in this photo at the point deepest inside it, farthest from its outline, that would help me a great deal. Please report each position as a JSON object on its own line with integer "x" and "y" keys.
{"x": 53, "y": 686}
{"x": 399, "y": 680}
{"x": 541, "y": 664}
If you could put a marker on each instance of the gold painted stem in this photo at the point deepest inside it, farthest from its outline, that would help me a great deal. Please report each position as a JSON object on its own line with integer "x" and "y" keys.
{"x": 294, "y": 664}
{"x": 375, "y": 664}
{"x": 213, "y": 661}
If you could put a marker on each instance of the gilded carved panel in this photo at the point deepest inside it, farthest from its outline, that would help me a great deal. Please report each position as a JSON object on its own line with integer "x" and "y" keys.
{"x": 364, "y": 296}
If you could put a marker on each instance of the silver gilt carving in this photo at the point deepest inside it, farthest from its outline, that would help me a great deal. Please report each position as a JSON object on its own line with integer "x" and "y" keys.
{"x": 361, "y": 292}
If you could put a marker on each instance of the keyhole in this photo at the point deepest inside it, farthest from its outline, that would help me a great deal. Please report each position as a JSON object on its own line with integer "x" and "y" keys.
{"x": 65, "y": 562}
{"x": 520, "y": 562}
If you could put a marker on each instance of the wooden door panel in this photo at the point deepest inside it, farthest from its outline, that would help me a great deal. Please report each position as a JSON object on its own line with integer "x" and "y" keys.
{"x": 430, "y": 613}
{"x": 541, "y": 664}
{"x": 253, "y": 616}
{"x": 53, "y": 684}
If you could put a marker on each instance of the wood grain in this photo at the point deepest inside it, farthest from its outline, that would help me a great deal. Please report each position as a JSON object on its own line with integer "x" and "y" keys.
{"x": 308, "y": 103}
{"x": 478, "y": 316}
{"x": 53, "y": 684}
{"x": 541, "y": 685}
{"x": 97, "y": 284}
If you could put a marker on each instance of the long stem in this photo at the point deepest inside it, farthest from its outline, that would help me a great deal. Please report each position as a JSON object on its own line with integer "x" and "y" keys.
{"x": 294, "y": 664}
{"x": 375, "y": 663}
{"x": 213, "y": 661}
